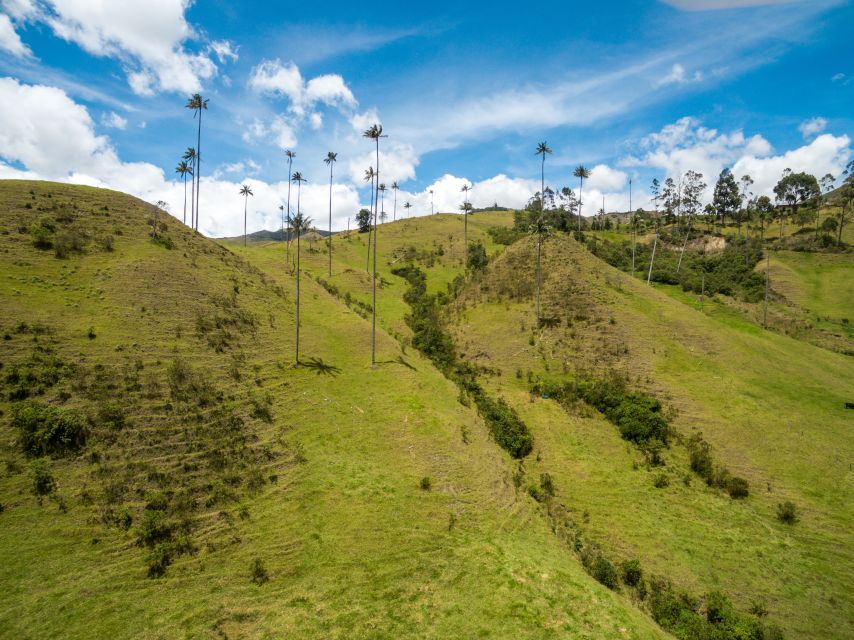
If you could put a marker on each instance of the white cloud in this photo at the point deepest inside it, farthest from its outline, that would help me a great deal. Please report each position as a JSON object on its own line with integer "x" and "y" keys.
{"x": 838, "y": 77}
{"x": 54, "y": 138}
{"x": 224, "y": 50}
{"x": 826, "y": 154}
{"x": 604, "y": 178}
{"x": 113, "y": 120}
{"x": 10, "y": 41}
{"x": 19, "y": 9}
{"x": 148, "y": 38}
{"x": 812, "y": 127}
{"x": 678, "y": 75}
{"x": 397, "y": 163}
{"x": 273, "y": 77}
{"x": 707, "y": 5}
{"x": 686, "y": 144}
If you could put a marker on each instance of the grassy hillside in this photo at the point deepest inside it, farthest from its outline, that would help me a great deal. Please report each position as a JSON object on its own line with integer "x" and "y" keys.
{"x": 197, "y": 485}
{"x": 772, "y": 408}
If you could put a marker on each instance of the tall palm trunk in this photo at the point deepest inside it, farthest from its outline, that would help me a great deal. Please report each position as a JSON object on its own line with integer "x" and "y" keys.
{"x": 370, "y": 230}
{"x": 298, "y": 231}
{"x": 539, "y": 253}
{"x": 329, "y": 239}
{"x": 193, "y": 195}
{"x": 374, "y": 277}
{"x": 580, "y": 188}
{"x": 652, "y": 258}
{"x": 245, "y": 204}
{"x": 288, "y": 241}
{"x": 185, "y": 197}
{"x": 394, "y": 211}
{"x": 198, "y": 172}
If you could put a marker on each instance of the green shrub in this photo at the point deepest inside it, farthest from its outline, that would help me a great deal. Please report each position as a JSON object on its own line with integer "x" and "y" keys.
{"x": 68, "y": 241}
{"x": 46, "y": 430}
{"x": 154, "y": 528}
{"x": 536, "y": 493}
{"x": 631, "y": 572}
{"x": 547, "y": 484}
{"x": 258, "y": 572}
{"x": 661, "y": 481}
{"x": 737, "y": 488}
{"x": 477, "y": 259}
{"x": 603, "y": 571}
{"x": 43, "y": 481}
{"x": 700, "y": 458}
{"x": 111, "y": 415}
{"x": 787, "y": 513}
{"x": 262, "y": 408}
{"x": 426, "y": 483}
{"x": 42, "y": 234}
{"x": 504, "y": 235}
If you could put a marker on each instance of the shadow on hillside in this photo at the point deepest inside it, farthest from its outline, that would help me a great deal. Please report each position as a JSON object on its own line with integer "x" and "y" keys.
{"x": 399, "y": 360}
{"x": 320, "y": 367}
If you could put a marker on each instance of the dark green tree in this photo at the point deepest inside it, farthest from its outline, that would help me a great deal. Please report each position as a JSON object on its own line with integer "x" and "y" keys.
{"x": 796, "y": 190}
{"x": 726, "y": 198}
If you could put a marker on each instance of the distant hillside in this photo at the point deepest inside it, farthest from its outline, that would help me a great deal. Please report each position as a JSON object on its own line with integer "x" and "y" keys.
{"x": 276, "y": 236}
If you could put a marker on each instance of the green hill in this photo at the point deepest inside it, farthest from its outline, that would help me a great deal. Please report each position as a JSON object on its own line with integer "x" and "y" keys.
{"x": 196, "y": 484}
{"x": 204, "y": 486}
{"x": 770, "y": 407}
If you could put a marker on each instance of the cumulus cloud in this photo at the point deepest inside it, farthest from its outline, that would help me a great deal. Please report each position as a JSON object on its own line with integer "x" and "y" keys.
{"x": 812, "y": 127}
{"x": 687, "y": 144}
{"x": 273, "y": 77}
{"x": 678, "y": 75}
{"x": 604, "y": 178}
{"x": 224, "y": 50}
{"x": 113, "y": 120}
{"x": 10, "y": 41}
{"x": 44, "y": 134}
{"x": 397, "y": 163}
{"x": 148, "y": 38}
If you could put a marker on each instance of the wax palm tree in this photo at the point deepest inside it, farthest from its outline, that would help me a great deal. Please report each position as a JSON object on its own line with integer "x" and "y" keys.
{"x": 198, "y": 104}
{"x": 290, "y": 155}
{"x": 183, "y": 170}
{"x": 394, "y": 188}
{"x": 282, "y": 214}
{"x": 370, "y": 176}
{"x": 300, "y": 224}
{"x": 407, "y": 206}
{"x": 541, "y": 230}
{"x": 580, "y": 172}
{"x": 375, "y": 132}
{"x": 190, "y": 157}
{"x": 465, "y": 208}
{"x": 542, "y": 149}
{"x": 330, "y": 159}
{"x": 245, "y": 191}
{"x": 432, "y": 209}
{"x": 383, "y": 216}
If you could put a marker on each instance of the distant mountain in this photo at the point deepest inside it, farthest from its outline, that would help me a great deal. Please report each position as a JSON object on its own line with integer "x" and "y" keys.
{"x": 274, "y": 236}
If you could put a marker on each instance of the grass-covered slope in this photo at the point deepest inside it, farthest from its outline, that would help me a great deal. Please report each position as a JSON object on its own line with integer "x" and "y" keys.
{"x": 771, "y": 407}
{"x": 195, "y": 484}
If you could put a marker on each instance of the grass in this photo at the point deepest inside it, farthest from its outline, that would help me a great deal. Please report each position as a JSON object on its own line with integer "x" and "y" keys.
{"x": 717, "y": 372}
{"x": 329, "y": 498}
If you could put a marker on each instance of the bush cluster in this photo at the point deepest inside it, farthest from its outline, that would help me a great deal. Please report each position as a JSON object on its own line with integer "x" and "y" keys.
{"x": 702, "y": 463}
{"x": 638, "y": 416}
{"x": 46, "y": 430}
{"x": 429, "y": 337}
{"x": 713, "y": 617}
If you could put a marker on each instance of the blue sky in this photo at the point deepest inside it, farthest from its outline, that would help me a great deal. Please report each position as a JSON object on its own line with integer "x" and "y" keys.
{"x": 93, "y": 92}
